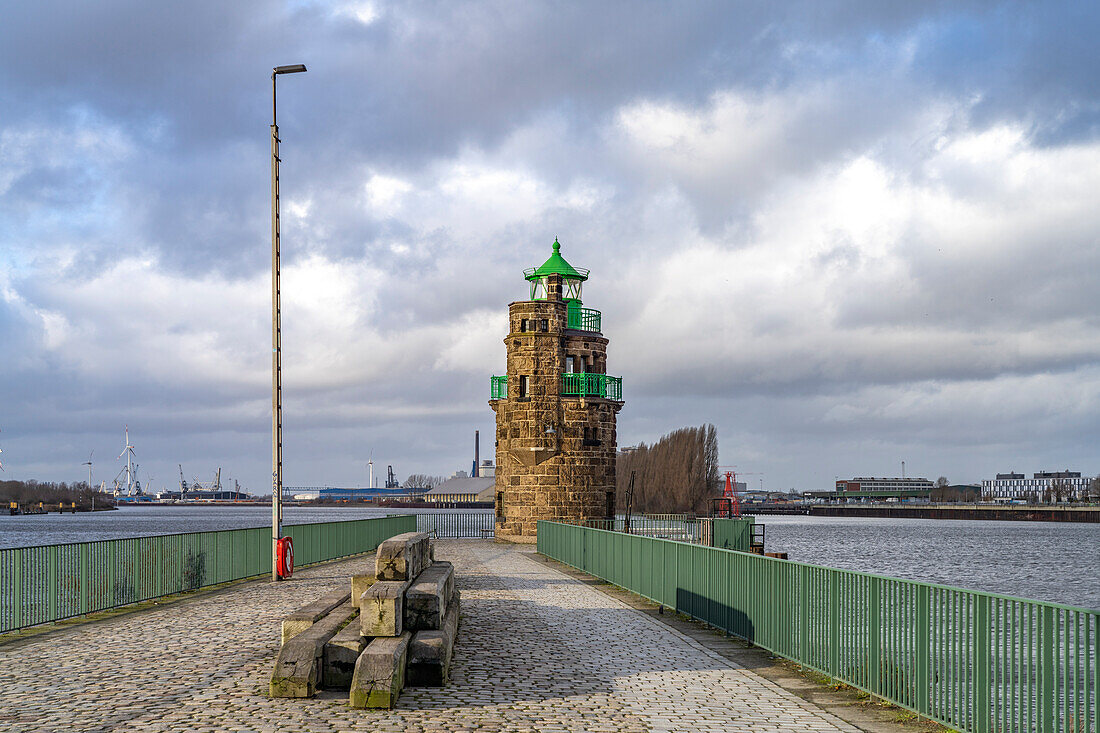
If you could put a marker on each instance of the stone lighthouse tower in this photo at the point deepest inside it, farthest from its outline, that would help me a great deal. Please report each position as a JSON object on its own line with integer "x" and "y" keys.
{"x": 555, "y": 408}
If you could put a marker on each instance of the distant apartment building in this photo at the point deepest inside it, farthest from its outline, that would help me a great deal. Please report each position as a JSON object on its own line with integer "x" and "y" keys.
{"x": 883, "y": 488}
{"x": 1041, "y": 486}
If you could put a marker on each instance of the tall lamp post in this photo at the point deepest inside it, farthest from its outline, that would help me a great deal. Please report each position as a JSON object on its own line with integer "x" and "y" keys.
{"x": 276, "y": 337}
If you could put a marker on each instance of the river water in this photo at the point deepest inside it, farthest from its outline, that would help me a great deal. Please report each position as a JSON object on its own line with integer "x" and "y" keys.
{"x": 1048, "y": 561}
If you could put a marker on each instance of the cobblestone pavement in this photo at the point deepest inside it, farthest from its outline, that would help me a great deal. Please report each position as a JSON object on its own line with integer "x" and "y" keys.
{"x": 536, "y": 651}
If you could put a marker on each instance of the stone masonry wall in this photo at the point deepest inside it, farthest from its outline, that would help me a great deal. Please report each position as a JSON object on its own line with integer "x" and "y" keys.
{"x": 565, "y": 475}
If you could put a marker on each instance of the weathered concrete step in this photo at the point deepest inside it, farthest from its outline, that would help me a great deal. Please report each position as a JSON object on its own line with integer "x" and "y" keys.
{"x": 341, "y": 653}
{"x": 426, "y": 599}
{"x": 308, "y": 615}
{"x": 380, "y": 673}
{"x": 298, "y": 670}
{"x": 382, "y": 608}
{"x": 403, "y": 556}
{"x": 430, "y": 652}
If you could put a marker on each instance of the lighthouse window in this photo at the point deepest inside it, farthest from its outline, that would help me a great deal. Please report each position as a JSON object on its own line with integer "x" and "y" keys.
{"x": 544, "y": 325}
{"x": 568, "y": 365}
{"x": 524, "y": 387}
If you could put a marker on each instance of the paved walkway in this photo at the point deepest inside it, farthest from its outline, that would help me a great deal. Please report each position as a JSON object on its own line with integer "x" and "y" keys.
{"x": 537, "y": 651}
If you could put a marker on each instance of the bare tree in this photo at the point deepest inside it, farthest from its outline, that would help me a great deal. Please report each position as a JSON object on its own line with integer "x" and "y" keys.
{"x": 678, "y": 473}
{"x": 421, "y": 481}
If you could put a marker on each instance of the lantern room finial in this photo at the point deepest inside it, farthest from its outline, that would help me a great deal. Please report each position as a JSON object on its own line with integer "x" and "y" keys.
{"x": 571, "y": 277}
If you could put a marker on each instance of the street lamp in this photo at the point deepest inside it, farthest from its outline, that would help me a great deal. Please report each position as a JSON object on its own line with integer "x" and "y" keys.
{"x": 276, "y": 337}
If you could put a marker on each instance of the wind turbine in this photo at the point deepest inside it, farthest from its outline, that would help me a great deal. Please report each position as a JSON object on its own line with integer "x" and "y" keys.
{"x": 88, "y": 463}
{"x": 370, "y": 465}
{"x": 128, "y": 451}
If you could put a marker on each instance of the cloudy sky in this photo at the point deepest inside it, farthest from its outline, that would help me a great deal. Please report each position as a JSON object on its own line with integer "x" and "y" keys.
{"x": 847, "y": 234}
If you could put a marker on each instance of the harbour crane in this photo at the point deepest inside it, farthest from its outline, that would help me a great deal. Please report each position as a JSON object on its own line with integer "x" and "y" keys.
{"x": 183, "y": 481}
{"x": 730, "y": 505}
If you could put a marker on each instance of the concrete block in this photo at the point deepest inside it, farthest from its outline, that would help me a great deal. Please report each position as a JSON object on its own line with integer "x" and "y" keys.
{"x": 380, "y": 673}
{"x": 402, "y": 557}
{"x": 340, "y": 655}
{"x": 382, "y": 608}
{"x": 359, "y": 585}
{"x": 298, "y": 668}
{"x": 426, "y": 599}
{"x": 430, "y": 652}
{"x": 308, "y": 615}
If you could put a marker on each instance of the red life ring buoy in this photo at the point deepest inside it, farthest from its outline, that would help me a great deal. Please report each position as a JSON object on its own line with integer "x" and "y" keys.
{"x": 284, "y": 557}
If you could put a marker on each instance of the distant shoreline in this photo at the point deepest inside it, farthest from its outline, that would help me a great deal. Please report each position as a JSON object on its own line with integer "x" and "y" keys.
{"x": 1089, "y": 514}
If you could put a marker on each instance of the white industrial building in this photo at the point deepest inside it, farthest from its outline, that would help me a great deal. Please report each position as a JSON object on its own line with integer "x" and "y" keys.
{"x": 1009, "y": 486}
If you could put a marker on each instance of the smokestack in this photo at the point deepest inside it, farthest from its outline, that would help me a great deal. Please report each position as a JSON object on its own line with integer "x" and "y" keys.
{"x": 477, "y": 453}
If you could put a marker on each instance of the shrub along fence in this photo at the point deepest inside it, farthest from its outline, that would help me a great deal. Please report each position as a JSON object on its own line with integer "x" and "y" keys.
{"x": 973, "y": 661}
{"x": 52, "y": 582}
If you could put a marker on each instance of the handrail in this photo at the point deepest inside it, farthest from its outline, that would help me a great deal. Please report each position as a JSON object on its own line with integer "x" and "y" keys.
{"x": 975, "y": 661}
{"x": 592, "y": 385}
{"x": 583, "y": 319}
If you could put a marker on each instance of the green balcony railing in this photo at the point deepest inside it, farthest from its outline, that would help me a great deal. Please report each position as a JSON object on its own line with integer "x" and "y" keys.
{"x": 498, "y": 388}
{"x": 582, "y": 319}
{"x": 977, "y": 662}
{"x": 592, "y": 385}
{"x": 52, "y": 582}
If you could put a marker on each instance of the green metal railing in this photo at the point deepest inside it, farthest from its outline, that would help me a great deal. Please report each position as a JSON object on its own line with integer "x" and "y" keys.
{"x": 974, "y": 661}
{"x": 457, "y": 525}
{"x": 681, "y": 528}
{"x": 592, "y": 385}
{"x": 582, "y": 319}
{"x": 52, "y": 582}
{"x": 498, "y": 388}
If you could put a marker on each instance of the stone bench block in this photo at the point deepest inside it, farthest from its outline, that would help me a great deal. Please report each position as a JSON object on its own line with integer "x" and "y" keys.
{"x": 359, "y": 585}
{"x": 341, "y": 653}
{"x": 380, "y": 673}
{"x": 426, "y": 599}
{"x": 430, "y": 652}
{"x": 402, "y": 557}
{"x": 308, "y": 615}
{"x": 382, "y": 608}
{"x": 298, "y": 670}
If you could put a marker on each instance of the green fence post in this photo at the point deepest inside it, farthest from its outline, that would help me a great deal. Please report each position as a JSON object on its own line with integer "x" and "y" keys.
{"x": 834, "y": 624}
{"x": 804, "y": 614}
{"x": 982, "y": 660}
{"x": 53, "y": 580}
{"x": 18, "y": 590}
{"x": 1046, "y": 692}
{"x": 112, "y": 560}
{"x": 923, "y": 632}
{"x": 84, "y": 552}
{"x": 874, "y": 636}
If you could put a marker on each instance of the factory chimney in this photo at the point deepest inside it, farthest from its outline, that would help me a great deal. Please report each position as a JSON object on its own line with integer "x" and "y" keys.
{"x": 477, "y": 454}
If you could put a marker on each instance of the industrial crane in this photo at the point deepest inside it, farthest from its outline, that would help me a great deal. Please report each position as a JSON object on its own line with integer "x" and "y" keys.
{"x": 391, "y": 480}
{"x": 729, "y": 505}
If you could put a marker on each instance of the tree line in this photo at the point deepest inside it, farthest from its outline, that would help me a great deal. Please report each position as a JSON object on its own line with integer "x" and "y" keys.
{"x": 677, "y": 474}
{"x": 48, "y": 492}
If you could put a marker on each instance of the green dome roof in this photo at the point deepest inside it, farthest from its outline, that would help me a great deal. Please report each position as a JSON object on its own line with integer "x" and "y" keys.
{"x": 556, "y": 265}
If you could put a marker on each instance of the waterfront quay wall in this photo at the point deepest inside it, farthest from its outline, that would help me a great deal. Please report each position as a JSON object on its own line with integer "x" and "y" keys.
{"x": 1089, "y": 514}
{"x": 973, "y": 661}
